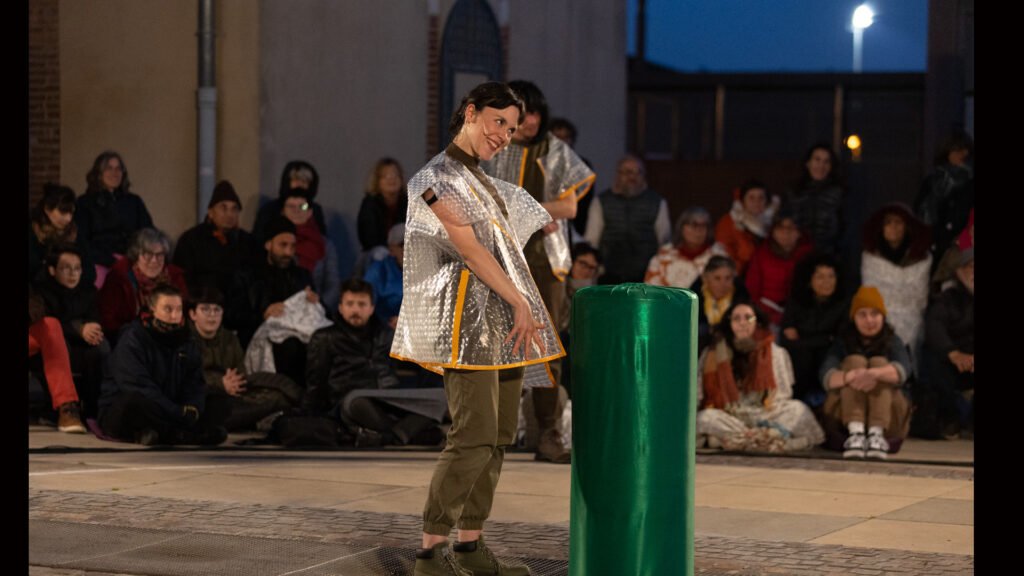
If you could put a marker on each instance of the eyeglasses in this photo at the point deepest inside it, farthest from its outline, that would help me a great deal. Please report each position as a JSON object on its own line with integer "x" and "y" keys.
{"x": 147, "y": 255}
{"x": 301, "y": 208}
{"x": 743, "y": 317}
{"x": 210, "y": 309}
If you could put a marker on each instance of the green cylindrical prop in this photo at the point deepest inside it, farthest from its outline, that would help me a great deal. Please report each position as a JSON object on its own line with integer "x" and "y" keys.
{"x": 634, "y": 370}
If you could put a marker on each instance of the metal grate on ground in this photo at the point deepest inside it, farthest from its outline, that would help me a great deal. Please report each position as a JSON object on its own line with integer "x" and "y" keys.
{"x": 96, "y": 547}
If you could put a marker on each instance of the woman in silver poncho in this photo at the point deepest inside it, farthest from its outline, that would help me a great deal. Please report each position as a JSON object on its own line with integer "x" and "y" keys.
{"x": 471, "y": 311}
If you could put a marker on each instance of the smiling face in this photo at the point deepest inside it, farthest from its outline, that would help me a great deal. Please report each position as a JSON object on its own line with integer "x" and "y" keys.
{"x": 113, "y": 173}
{"x": 743, "y": 322}
{"x": 823, "y": 282}
{"x": 820, "y": 164}
{"x": 869, "y": 321}
{"x": 151, "y": 260}
{"x": 755, "y": 201}
{"x": 485, "y": 132}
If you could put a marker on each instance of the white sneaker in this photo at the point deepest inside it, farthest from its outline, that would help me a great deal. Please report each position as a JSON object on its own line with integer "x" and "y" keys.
{"x": 855, "y": 445}
{"x": 878, "y": 447}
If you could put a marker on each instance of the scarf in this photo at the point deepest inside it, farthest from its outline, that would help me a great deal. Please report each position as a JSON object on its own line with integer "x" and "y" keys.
{"x": 756, "y": 225}
{"x": 310, "y": 246}
{"x": 48, "y": 235}
{"x": 713, "y": 308}
{"x": 720, "y": 387}
{"x": 692, "y": 253}
{"x": 144, "y": 285}
{"x": 170, "y": 335}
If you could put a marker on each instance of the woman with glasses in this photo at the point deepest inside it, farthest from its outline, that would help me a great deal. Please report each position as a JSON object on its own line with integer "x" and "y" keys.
{"x": 109, "y": 212}
{"x": 129, "y": 283}
{"x": 681, "y": 263}
{"x": 313, "y": 250}
{"x": 746, "y": 394}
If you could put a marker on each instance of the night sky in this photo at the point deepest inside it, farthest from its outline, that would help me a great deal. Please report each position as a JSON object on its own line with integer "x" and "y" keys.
{"x": 780, "y": 35}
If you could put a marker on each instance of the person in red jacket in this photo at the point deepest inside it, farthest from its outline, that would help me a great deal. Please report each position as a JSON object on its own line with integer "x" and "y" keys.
{"x": 770, "y": 273}
{"x": 130, "y": 281}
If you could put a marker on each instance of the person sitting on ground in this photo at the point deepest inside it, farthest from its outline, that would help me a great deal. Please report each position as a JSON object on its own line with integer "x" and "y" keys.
{"x": 770, "y": 274}
{"x": 680, "y": 264}
{"x": 153, "y": 391}
{"x": 109, "y": 212}
{"x": 747, "y": 223}
{"x": 73, "y": 303}
{"x": 815, "y": 313}
{"x": 251, "y": 396}
{"x": 746, "y": 389}
{"x": 277, "y": 280}
{"x": 350, "y": 377}
{"x": 296, "y": 174}
{"x": 897, "y": 262}
{"x": 313, "y": 250}
{"x": 585, "y": 271}
{"x": 46, "y": 338}
{"x": 862, "y": 374}
{"x": 949, "y": 353}
{"x": 384, "y": 273}
{"x": 125, "y": 292}
{"x": 384, "y": 205}
{"x": 220, "y": 254}
{"x": 717, "y": 288}
{"x": 945, "y": 273}
{"x": 51, "y": 222}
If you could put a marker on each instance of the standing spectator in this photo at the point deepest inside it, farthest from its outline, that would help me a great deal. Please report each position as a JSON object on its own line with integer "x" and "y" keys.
{"x": 746, "y": 392}
{"x": 897, "y": 262}
{"x": 945, "y": 273}
{"x": 946, "y": 197}
{"x": 747, "y": 223}
{"x": 771, "y": 269}
{"x": 296, "y": 174}
{"x": 313, "y": 250}
{"x": 717, "y": 288}
{"x": 73, "y": 303}
{"x": 817, "y": 199}
{"x": 50, "y": 224}
{"x": 46, "y": 338}
{"x": 815, "y": 313}
{"x": 153, "y": 392}
{"x": 384, "y": 273}
{"x": 251, "y": 396}
{"x": 384, "y": 205}
{"x": 217, "y": 253}
{"x": 680, "y": 264}
{"x": 628, "y": 223}
{"x": 945, "y": 394}
{"x": 126, "y": 290}
{"x": 863, "y": 373}
{"x": 565, "y": 130}
{"x": 109, "y": 212}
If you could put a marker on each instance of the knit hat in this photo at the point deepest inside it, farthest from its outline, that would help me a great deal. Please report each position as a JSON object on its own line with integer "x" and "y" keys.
{"x": 966, "y": 256}
{"x": 867, "y": 297}
{"x": 397, "y": 234}
{"x": 222, "y": 192}
{"x": 279, "y": 225}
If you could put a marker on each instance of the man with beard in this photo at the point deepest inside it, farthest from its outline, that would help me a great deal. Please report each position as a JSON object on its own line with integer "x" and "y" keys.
{"x": 350, "y": 377}
{"x": 628, "y": 223}
{"x": 153, "y": 392}
{"x": 556, "y": 178}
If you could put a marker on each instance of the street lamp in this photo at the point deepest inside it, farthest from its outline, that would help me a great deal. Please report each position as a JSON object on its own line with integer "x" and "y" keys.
{"x": 863, "y": 17}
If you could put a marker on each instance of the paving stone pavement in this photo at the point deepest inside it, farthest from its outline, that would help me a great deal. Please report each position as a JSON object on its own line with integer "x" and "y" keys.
{"x": 714, "y": 555}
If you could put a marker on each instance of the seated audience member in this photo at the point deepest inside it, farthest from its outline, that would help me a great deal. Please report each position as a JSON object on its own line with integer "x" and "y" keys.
{"x": 585, "y": 270}
{"x": 296, "y": 174}
{"x": 46, "y": 339}
{"x": 125, "y": 292}
{"x": 949, "y": 357}
{"x": 717, "y": 288}
{"x": 384, "y": 273}
{"x": 745, "y": 396}
{"x": 681, "y": 264}
{"x": 220, "y": 254}
{"x": 747, "y": 223}
{"x": 277, "y": 280}
{"x": 109, "y": 212}
{"x": 73, "y": 303}
{"x": 51, "y": 222}
{"x": 153, "y": 391}
{"x": 945, "y": 272}
{"x": 896, "y": 260}
{"x": 863, "y": 373}
{"x": 251, "y": 396}
{"x": 384, "y": 205}
{"x": 814, "y": 314}
{"x": 313, "y": 250}
{"x": 350, "y": 377}
{"x": 770, "y": 274}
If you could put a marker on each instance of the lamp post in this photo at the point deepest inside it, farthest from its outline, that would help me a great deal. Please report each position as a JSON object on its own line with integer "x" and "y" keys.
{"x": 862, "y": 18}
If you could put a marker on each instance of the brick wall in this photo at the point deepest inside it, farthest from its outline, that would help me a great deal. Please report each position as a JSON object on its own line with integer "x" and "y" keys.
{"x": 43, "y": 95}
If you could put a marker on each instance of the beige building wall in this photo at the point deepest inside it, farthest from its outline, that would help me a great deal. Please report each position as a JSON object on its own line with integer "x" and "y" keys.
{"x": 128, "y": 81}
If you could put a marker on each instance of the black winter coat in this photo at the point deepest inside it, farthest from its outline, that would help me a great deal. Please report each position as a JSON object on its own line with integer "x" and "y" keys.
{"x": 817, "y": 209}
{"x": 373, "y": 220}
{"x": 106, "y": 220}
{"x": 73, "y": 308}
{"x": 949, "y": 322}
{"x": 342, "y": 358}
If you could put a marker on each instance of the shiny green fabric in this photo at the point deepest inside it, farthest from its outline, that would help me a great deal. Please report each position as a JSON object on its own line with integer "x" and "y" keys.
{"x": 634, "y": 376}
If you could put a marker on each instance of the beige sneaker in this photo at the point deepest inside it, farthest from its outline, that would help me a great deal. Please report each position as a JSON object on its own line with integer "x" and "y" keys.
{"x": 69, "y": 419}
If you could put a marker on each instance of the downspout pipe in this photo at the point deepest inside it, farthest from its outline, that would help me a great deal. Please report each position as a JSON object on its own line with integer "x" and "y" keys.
{"x": 206, "y": 102}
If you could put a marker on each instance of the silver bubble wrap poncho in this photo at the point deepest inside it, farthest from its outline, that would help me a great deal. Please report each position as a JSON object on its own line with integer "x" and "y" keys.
{"x": 449, "y": 317}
